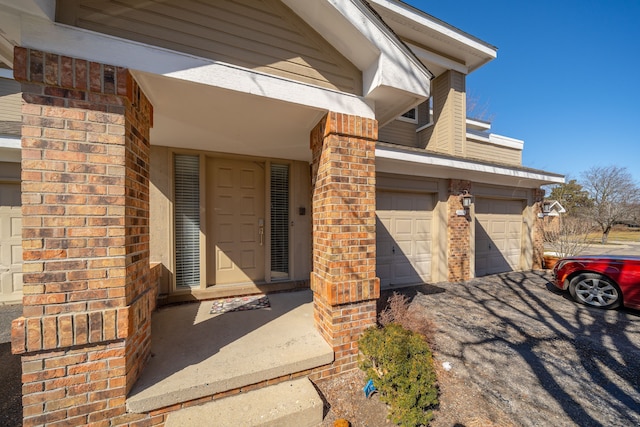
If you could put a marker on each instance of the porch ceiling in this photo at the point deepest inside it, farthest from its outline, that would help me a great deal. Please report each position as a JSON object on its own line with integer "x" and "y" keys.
{"x": 198, "y": 116}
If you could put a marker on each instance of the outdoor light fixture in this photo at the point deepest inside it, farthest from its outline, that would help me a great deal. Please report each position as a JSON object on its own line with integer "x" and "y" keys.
{"x": 466, "y": 199}
{"x": 546, "y": 207}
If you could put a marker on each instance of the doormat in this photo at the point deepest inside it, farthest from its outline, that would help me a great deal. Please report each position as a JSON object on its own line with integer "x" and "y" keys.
{"x": 251, "y": 302}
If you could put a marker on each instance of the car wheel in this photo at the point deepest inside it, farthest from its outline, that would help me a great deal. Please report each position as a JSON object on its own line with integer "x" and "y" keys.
{"x": 595, "y": 290}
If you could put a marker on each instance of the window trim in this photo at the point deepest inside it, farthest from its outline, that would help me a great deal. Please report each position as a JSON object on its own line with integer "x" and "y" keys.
{"x": 402, "y": 118}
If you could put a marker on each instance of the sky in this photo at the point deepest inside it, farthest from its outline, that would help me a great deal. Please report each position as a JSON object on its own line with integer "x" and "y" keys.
{"x": 566, "y": 79}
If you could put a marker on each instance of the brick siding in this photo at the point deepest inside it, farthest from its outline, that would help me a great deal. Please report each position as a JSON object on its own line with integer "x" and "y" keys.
{"x": 459, "y": 232}
{"x": 88, "y": 294}
{"x": 344, "y": 278}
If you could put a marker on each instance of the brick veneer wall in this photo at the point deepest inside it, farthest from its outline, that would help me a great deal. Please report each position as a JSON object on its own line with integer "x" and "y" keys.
{"x": 88, "y": 294}
{"x": 538, "y": 230}
{"x": 344, "y": 278}
{"x": 459, "y": 231}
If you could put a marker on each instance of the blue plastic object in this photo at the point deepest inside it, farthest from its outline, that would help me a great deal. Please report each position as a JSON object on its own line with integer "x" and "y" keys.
{"x": 369, "y": 389}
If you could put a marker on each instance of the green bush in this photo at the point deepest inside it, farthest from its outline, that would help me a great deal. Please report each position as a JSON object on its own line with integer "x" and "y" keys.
{"x": 400, "y": 363}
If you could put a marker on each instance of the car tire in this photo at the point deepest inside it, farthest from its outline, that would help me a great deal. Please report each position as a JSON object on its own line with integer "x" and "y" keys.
{"x": 595, "y": 290}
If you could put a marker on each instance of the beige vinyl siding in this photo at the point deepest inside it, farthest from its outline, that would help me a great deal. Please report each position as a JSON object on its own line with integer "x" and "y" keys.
{"x": 448, "y": 133}
{"x": 424, "y": 115}
{"x": 399, "y": 132}
{"x": 459, "y": 101}
{"x": 261, "y": 35}
{"x": 493, "y": 153}
{"x": 440, "y": 137}
{"x": 10, "y": 101}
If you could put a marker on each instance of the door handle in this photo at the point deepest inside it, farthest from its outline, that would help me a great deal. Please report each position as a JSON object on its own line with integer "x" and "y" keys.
{"x": 261, "y": 231}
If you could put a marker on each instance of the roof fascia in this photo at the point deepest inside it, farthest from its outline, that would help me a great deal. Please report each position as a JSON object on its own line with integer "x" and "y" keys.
{"x": 398, "y": 161}
{"x": 482, "y": 49}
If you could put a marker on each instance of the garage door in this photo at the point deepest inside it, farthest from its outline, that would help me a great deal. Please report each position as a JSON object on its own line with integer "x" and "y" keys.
{"x": 10, "y": 243}
{"x": 403, "y": 237}
{"x": 498, "y": 235}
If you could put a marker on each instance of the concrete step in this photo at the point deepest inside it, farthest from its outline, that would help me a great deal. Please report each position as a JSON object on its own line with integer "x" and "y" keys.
{"x": 292, "y": 403}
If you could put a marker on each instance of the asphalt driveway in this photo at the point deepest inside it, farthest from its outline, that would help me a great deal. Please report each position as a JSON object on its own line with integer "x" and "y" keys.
{"x": 532, "y": 355}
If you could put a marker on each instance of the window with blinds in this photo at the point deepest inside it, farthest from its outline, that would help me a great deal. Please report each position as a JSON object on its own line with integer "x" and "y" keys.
{"x": 187, "y": 220}
{"x": 279, "y": 221}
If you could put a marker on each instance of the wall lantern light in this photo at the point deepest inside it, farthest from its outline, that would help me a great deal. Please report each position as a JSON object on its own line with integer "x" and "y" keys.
{"x": 546, "y": 207}
{"x": 466, "y": 198}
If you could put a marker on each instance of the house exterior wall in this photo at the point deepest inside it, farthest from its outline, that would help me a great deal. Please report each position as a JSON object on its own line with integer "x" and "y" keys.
{"x": 160, "y": 215}
{"x": 85, "y": 330}
{"x": 399, "y": 132}
{"x": 493, "y": 153}
{"x": 10, "y": 101}
{"x": 262, "y": 36}
{"x": 448, "y": 133}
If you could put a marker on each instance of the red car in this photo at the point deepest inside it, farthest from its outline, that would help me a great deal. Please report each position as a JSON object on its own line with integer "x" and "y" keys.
{"x": 600, "y": 281}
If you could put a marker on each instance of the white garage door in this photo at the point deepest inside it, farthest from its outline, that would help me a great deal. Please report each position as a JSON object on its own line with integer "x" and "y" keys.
{"x": 498, "y": 235}
{"x": 10, "y": 243}
{"x": 403, "y": 237}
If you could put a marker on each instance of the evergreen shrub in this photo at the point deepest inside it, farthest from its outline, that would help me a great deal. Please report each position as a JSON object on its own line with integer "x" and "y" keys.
{"x": 401, "y": 365}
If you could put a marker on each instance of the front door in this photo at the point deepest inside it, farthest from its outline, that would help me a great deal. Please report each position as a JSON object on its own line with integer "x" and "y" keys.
{"x": 237, "y": 214}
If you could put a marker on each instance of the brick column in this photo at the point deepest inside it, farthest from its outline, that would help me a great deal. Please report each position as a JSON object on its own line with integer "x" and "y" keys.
{"x": 344, "y": 279}
{"x": 459, "y": 232}
{"x": 85, "y": 331}
{"x": 538, "y": 230}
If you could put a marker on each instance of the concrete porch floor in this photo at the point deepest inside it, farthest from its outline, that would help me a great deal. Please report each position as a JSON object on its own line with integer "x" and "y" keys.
{"x": 197, "y": 354}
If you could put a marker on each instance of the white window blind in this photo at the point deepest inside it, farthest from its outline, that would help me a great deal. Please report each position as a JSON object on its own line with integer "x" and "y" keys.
{"x": 279, "y": 221}
{"x": 187, "y": 220}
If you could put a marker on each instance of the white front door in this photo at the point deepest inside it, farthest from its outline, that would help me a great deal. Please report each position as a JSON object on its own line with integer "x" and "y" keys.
{"x": 237, "y": 220}
{"x": 10, "y": 243}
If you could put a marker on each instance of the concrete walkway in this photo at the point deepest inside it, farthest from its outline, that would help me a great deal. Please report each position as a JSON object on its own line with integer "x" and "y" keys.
{"x": 197, "y": 354}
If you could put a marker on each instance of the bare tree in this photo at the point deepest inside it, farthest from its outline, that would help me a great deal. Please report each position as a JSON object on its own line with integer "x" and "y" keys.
{"x": 613, "y": 192}
{"x": 566, "y": 235}
{"x": 478, "y": 110}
